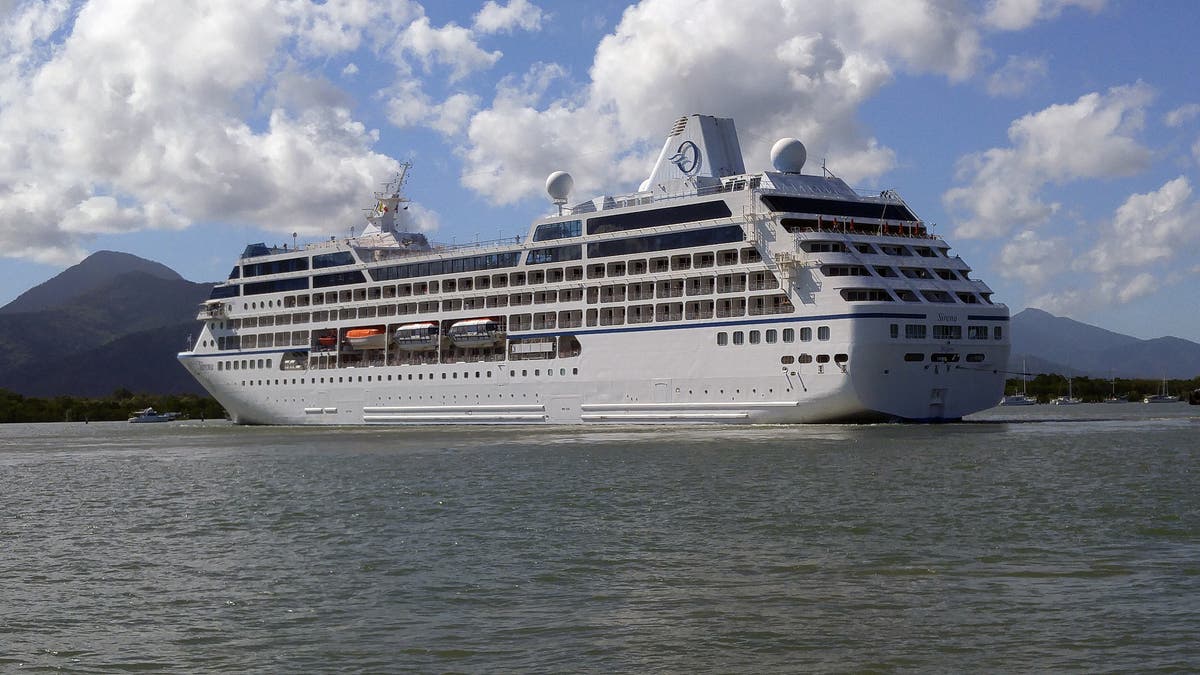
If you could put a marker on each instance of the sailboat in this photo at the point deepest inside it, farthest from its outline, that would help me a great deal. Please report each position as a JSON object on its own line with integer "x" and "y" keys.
{"x": 1022, "y": 398}
{"x": 1161, "y": 397}
{"x": 1113, "y": 398}
{"x": 1069, "y": 399}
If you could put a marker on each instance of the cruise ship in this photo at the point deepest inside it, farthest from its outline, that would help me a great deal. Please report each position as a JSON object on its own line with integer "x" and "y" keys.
{"x": 710, "y": 295}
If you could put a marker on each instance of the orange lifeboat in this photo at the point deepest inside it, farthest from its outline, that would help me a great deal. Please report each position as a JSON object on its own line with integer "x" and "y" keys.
{"x": 374, "y": 337}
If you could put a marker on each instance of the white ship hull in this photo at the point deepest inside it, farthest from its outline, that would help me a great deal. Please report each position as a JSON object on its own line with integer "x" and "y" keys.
{"x": 621, "y": 380}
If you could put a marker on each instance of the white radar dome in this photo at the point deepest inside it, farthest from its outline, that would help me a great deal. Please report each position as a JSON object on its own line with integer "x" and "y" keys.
{"x": 559, "y": 185}
{"x": 788, "y": 155}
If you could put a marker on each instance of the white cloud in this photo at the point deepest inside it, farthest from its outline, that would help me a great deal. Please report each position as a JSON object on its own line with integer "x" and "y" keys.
{"x": 1149, "y": 228}
{"x": 777, "y": 70}
{"x": 1182, "y": 115}
{"x": 496, "y": 18}
{"x": 1090, "y": 138}
{"x": 1021, "y": 14}
{"x": 1016, "y": 76}
{"x": 1033, "y": 258}
{"x": 408, "y": 105}
{"x": 451, "y": 45}
{"x": 144, "y": 115}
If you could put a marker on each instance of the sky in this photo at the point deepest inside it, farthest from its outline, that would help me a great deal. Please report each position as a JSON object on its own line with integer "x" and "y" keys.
{"x": 1055, "y": 144}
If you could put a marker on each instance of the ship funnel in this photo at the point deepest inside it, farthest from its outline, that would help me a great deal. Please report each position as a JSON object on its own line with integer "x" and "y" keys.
{"x": 699, "y": 151}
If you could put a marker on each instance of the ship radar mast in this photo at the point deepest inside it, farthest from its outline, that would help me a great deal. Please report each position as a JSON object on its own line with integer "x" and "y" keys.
{"x": 389, "y": 202}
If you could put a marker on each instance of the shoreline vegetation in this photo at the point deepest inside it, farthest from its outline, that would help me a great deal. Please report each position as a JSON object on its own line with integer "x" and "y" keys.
{"x": 1095, "y": 390}
{"x": 117, "y": 406}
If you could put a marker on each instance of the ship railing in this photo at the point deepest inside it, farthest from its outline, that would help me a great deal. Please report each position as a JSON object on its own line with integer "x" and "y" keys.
{"x": 733, "y": 184}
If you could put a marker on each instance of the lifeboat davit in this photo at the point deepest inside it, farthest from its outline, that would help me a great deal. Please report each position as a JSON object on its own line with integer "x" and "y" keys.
{"x": 374, "y": 337}
{"x": 417, "y": 337}
{"x": 475, "y": 333}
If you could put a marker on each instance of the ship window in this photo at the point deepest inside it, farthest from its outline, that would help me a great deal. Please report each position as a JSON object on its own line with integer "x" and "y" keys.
{"x": 840, "y": 358}
{"x": 822, "y": 358}
{"x": 656, "y": 217}
{"x": 806, "y": 334}
{"x": 937, "y": 296}
{"x": 823, "y": 332}
{"x": 839, "y": 207}
{"x": 947, "y": 332}
{"x": 789, "y": 334}
{"x": 913, "y": 357}
{"x": 914, "y": 331}
{"x": 739, "y": 337}
{"x": 332, "y": 259}
{"x": 722, "y": 338}
{"x": 755, "y": 337}
{"x": 974, "y": 358}
{"x": 804, "y": 358}
{"x": 977, "y": 332}
{"x": 553, "y": 254}
{"x": 671, "y": 240}
{"x": 563, "y": 230}
{"x": 785, "y": 360}
{"x": 894, "y": 330}
{"x": 996, "y": 332}
{"x": 772, "y": 336}
{"x": 907, "y": 295}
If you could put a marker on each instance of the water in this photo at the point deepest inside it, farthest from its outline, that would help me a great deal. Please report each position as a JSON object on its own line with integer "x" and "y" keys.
{"x": 1031, "y": 539}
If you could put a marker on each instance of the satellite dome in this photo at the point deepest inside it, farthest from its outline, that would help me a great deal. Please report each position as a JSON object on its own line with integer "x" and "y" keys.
{"x": 788, "y": 155}
{"x": 559, "y": 185}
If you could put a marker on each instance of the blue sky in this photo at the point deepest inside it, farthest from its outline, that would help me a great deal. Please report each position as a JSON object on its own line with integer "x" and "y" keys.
{"x": 1055, "y": 143}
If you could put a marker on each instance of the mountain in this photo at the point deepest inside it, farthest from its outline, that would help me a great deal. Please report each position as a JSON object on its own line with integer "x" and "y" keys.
{"x": 114, "y": 320}
{"x": 1054, "y": 344}
{"x": 95, "y": 271}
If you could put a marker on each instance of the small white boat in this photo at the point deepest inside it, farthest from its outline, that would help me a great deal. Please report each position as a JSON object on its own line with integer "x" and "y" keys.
{"x": 151, "y": 415}
{"x": 1069, "y": 399}
{"x": 475, "y": 333}
{"x": 417, "y": 337}
{"x": 1022, "y": 398}
{"x": 367, "y": 338}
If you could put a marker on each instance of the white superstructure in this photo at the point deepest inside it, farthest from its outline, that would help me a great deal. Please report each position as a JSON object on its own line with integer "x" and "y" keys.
{"x": 711, "y": 295}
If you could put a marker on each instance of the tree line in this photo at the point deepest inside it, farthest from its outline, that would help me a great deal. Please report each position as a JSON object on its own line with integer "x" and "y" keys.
{"x": 116, "y": 406}
{"x": 1045, "y": 387}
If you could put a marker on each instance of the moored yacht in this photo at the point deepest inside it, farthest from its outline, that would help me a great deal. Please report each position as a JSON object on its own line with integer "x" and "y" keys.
{"x": 710, "y": 295}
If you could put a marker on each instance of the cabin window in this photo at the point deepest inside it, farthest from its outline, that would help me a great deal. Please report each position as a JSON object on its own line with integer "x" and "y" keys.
{"x": 914, "y": 331}
{"x": 996, "y": 332}
{"x": 806, "y": 334}
{"x": 789, "y": 334}
{"x": 823, "y": 332}
{"x": 755, "y": 337}
{"x": 894, "y": 330}
{"x": 739, "y": 337}
{"x": 772, "y": 336}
